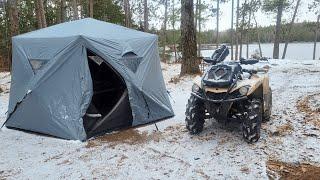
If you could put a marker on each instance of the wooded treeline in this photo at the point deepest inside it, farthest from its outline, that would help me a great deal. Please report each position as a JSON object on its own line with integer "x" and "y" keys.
{"x": 167, "y": 18}
{"x": 21, "y": 16}
{"x": 301, "y": 32}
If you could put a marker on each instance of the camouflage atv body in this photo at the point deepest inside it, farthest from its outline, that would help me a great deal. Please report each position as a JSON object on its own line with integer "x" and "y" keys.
{"x": 227, "y": 92}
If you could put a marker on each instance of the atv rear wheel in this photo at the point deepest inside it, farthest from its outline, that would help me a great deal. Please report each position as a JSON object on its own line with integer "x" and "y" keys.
{"x": 195, "y": 114}
{"x": 252, "y": 121}
{"x": 267, "y": 113}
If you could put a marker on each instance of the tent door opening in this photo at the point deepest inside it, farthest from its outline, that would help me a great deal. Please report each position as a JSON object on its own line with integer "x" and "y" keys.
{"x": 109, "y": 108}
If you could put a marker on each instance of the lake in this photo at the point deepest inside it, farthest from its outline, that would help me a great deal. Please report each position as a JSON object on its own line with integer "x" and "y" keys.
{"x": 296, "y": 51}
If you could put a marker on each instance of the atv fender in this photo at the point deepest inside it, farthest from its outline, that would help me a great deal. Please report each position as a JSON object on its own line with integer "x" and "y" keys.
{"x": 197, "y": 81}
{"x": 255, "y": 83}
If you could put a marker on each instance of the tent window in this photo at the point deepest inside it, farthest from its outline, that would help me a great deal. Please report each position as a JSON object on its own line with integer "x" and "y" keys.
{"x": 37, "y": 64}
{"x": 131, "y": 60}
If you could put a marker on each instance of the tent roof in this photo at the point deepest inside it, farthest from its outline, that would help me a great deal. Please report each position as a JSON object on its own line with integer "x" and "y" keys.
{"x": 87, "y": 27}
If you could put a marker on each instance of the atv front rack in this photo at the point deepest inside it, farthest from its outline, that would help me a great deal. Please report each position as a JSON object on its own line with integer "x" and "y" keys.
{"x": 218, "y": 101}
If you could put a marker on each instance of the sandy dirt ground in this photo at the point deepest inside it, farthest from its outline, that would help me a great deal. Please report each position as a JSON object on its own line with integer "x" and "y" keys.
{"x": 288, "y": 148}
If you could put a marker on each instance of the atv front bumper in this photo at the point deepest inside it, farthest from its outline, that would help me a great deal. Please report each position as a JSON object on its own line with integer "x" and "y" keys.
{"x": 205, "y": 98}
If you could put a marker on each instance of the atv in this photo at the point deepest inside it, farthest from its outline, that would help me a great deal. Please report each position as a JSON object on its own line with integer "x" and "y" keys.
{"x": 228, "y": 92}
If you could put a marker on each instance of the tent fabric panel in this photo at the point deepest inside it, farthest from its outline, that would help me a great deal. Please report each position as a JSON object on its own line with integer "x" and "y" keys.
{"x": 24, "y": 79}
{"x": 32, "y": 115}
{"x": 43, "y": 48}
{"x": 65, "y": 93}
{"x": 152, "y": 83}
{"x": 21, "y": 74}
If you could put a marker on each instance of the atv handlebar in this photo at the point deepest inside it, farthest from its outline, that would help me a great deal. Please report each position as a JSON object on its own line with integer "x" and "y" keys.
{"x": 248, "y": 61}
{"x": 255, "y": 71}
{"x": 250, "y": 71}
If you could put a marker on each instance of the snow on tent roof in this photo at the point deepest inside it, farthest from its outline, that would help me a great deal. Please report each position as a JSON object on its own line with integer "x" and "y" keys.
{"x": 87, "y": 27}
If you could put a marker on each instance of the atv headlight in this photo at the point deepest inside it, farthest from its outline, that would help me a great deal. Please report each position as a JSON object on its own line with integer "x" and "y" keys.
{"x": 195, "y": 88}
{"x": 244, "y": 90}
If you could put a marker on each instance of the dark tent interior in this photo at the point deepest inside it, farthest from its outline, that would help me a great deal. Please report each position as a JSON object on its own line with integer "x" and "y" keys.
{"x": 109, "y": 108}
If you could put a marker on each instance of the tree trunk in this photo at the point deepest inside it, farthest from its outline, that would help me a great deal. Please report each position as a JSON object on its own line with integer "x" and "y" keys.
{"x": 290, "y": 28}
{"x": 173, "y": 36}
{"x": 237, "y": 31}
{"x": 258, "y": 33}
{"x": 196, "y": 15}
{"x": 259, "y": 43}
{"x": 146, "y": 16}
{"x": 247, "y": 44}
{"x": 241, "y": 31}
{"x": 232, "y": 33}
{"x": 91, "y": 8}
{"x": 164, "y": 59}
{"x": 43, "y": 15}
{"x": 75, "y": 10}
{"x": 248, "y": 30}
{"x": 190, "y": 63}
{"x": 14, "y": 24}
{"x": 218, "y": 16}
{"x": 199, "y": 31}
{"x": 240, "y": 42}
{"x": 58, "y": 11}
{"x": 13, "y": 17}
{"x": 316, "y": 38}
{"x": 126, "y": 6}
{"x": 278, "y": 32}
{"x": 7, "y": 34}
{"x": 40, "y": 14}
{"x": 63, "y": 11}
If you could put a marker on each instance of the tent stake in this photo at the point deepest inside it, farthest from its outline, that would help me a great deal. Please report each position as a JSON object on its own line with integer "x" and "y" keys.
{"x": 156, "y": 126}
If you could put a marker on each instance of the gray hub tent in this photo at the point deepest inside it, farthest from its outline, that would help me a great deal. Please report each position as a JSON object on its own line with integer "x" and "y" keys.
{"x": 83, "y": 78}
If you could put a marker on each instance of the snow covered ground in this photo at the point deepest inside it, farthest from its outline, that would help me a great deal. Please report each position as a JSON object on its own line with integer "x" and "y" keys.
{"x": 219, "y": 152}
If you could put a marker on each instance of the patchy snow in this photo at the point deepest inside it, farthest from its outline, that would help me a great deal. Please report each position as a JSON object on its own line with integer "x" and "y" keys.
{"x": 143, "y": 153}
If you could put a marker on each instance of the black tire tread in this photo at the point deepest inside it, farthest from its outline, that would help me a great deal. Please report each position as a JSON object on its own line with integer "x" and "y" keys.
{"x": 252, "y": 123}
{"x": 195, "y": 114}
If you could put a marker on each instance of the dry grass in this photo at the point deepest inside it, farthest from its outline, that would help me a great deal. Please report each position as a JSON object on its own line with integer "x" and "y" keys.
{"x": 135, "y": 137}
{"x": 129, "y": 136}
{"x": 283, "y": 130}
{"x": 175, "y": 80}
{"x": 121, "y": 160}
{"x": 9, "y": 174}
{"x": 281, "y": 170}
{"x": 65, "y": 162}
{"x": 58, "y": 156}
{"x": 312, "y": 114}
{"x": 245, "y": 170}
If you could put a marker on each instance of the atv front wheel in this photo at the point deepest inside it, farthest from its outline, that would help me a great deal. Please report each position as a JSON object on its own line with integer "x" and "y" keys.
{"x": 195, "y": 114}
{"x": 252, "y": 121}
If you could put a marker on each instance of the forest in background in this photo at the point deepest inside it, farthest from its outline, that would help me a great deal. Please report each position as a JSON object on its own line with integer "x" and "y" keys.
{"x": 301, "y": 32}
{"x": 162, "y": 17}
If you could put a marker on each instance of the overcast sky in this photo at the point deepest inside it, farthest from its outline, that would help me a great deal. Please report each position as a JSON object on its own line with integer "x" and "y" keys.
{"x": 262, "y": 18}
